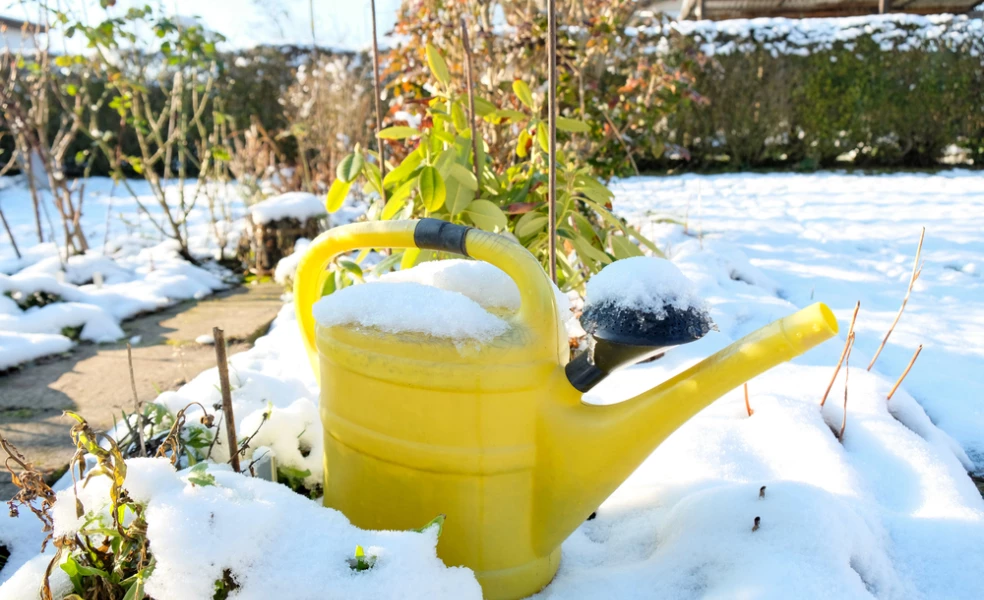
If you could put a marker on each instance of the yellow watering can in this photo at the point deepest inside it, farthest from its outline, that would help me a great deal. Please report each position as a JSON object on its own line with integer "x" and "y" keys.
{"x": 496, "y": 438}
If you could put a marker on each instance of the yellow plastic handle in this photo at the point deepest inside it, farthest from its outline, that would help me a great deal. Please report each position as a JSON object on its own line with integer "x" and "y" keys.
{"x": 537, "y": 311}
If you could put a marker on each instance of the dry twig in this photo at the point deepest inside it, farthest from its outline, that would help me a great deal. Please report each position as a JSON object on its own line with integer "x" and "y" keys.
{"x": 469, "y": 78}
{"x": 220, "y": 357}
{"x": 758, "y": 520}
{"x": 762, "y": 492}
{"x": 748, "y": 408}
{"x": 847, "y": 342}
{"x": 906, "y": 372}
{"x": 847, "y": 372}
{"x": 916, "y": 270}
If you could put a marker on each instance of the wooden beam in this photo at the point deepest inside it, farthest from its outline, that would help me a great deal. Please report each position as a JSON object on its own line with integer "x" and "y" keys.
{"x": 884, "y": 6}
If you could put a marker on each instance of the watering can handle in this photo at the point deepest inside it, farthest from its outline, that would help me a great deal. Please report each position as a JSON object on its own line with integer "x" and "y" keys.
{"x": 537, "y": 310}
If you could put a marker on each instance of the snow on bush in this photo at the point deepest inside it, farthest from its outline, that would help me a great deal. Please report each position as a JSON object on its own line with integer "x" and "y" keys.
{"x": 273, "y": 542}
{"x": 292, "y": 205}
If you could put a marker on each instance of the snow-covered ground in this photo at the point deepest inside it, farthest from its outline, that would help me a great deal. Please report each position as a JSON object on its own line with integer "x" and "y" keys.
{"x": 131, "y": 267}
{"x": 889, "y": 512}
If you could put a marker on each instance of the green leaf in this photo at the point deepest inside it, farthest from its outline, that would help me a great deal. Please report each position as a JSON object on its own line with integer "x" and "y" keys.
{"x": 136, "y": 591}
{"x": 530, "y": 225}
{"x": 522, "y": 92}
{"x": 542, "y": 137}
{"x": 393, "y": 206}
{"x": 200, "y": 476}
{"x": 463, "y": 176}
{"x": 398, "y": 132}
{"x": 573, "y": 125}
{"x": 458, "y": 198}
{"x": 350, "y": 167}
{"x": 508, "y": 115}
{"x": 486, "y": 215}
{"x": 351, "y": 267}
{"x": 437, "y": 521}
{"x": 586, "y": 250}
{"x": 221, "y": 153}
{"x": 432, "y": 189}
{"x": 405, "y": 169}
{"x": 336, "y": 194}
{"x": 459, "y": 119}
{"x": 437, "y": 65}
{"x": 483, "y": 106}
{"x": 71, "y": 89}
{"x": 622, "y": 247}
{"x": 410, "y": 256}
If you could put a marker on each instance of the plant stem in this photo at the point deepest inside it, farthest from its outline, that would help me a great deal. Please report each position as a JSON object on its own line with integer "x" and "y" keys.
{"x": 378, "y": 100}
{"x": 552, "y": 135}
{"x": 906, "y": 372}
{"x": 136, "y": 402}
{"x": 847, "y": 371}
{"x": 916, "y": 270}
{"x": 748, "y": 407}
{"x": 471, "y": 107}
{"x": 850, "y": 332}
{"x": 223, "y": 364}
{"x": 10, "y": 234}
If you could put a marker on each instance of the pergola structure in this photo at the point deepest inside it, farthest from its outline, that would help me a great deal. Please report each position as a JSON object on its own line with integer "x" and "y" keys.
{"x": 746, "y": 9}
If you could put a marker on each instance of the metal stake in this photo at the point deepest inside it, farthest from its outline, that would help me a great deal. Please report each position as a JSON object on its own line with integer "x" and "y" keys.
{"x": 552, "y": 135}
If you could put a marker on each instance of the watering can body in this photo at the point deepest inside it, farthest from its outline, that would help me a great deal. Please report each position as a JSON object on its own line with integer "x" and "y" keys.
{"x": 492, "y": 435}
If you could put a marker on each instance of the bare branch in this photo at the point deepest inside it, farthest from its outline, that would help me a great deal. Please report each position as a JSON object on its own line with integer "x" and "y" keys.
{"x": 847, "y": 342}
{"x": 904, "y": 373}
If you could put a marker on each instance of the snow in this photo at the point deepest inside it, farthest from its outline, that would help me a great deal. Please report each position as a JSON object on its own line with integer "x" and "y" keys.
{"x": 135, "y": 272}
{"x": 297, "y": 551}
{"x": 889, "y": 511}
{"x": 780, "y": 35}
{"x": 205, "y": 339}
{"x": 643, "y": 283}
{"x": 486, "y": 284}
{"x": 292, "y": 205}
{"x": 407, "y": 307}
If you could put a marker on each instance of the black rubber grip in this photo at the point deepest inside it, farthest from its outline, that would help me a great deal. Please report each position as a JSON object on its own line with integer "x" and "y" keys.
{"x": 435, "y": 234}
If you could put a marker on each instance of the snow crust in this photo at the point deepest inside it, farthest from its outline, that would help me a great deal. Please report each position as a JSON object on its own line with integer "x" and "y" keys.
{"x": 408, "y": 307}
{"x": 292, "y": 205}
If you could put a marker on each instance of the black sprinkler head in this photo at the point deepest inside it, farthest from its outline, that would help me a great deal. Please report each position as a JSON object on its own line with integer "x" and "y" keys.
{"x": 621, "y": 336}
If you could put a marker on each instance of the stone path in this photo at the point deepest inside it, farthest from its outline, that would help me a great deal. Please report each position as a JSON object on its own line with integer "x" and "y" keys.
{"x": 93, "y": 380}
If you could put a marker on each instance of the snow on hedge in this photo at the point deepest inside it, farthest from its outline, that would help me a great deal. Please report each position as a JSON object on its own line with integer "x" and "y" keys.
{"x": 780, "y": 35}
{"x": 292, "y": 205}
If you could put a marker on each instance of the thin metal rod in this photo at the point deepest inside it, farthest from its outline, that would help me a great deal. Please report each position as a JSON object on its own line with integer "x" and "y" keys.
{"x": 552, "y": 135}
{"x": 471, "y": 106}
{"x": 378, "y": 99}
{"x": 223, "y": 363}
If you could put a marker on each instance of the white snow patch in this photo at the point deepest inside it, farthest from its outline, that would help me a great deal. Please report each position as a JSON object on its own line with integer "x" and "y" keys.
{"x": 295, "y": 205}
{"x": 643, "y": 283}
{"x": 406, "y": 307}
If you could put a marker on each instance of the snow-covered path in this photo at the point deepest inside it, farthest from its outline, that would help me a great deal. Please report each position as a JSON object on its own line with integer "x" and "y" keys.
{"x": 842, "y": 238}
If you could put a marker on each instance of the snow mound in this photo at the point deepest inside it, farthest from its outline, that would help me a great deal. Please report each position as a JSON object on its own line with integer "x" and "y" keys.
{"x": 287, "y": 266}
{"x": 292, "y": 205}
{"x": 275, "y": 543}
{"x": 643, "y": 283}
{"x": 407, "y": 307}
{"x": 484, "y": 283}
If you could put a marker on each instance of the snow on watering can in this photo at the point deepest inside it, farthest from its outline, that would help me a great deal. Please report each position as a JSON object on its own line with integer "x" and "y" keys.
{"x": 494, "y": 434}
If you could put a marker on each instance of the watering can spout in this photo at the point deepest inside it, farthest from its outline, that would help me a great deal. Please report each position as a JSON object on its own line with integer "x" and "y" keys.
{"x": 587, "y": 451}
